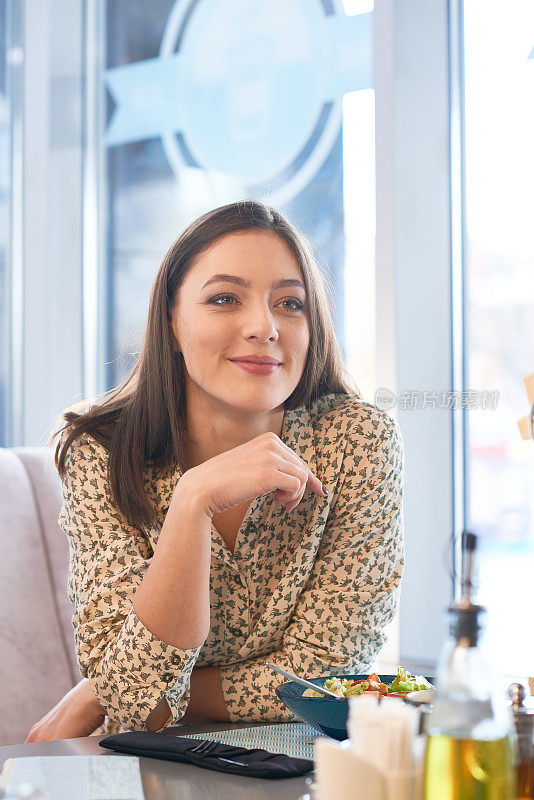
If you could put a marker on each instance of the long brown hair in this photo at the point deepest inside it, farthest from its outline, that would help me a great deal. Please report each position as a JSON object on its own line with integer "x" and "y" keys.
{"x": 143, "y": 420}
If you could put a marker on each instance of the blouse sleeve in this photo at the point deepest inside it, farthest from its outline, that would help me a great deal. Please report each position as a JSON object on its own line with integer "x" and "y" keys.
{"x": 129, "y": 668}
{"x": 353, "y": 590}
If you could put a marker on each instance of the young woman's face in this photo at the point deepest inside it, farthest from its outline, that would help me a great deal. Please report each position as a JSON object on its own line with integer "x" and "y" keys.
{"x": 218, "y": 319}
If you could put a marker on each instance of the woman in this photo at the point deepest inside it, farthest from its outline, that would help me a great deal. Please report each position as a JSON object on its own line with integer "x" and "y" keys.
{"x": 186, "y": 574}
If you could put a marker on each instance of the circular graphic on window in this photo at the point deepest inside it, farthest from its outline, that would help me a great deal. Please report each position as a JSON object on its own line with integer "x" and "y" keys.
{"x": 248, "y": 92}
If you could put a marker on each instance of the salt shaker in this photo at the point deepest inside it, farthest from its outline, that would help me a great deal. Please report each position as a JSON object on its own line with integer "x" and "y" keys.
{"x": 524, "y": 725}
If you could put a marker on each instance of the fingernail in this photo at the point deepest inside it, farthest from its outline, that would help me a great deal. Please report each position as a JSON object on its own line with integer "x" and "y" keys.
{"x": 325, "y": 491}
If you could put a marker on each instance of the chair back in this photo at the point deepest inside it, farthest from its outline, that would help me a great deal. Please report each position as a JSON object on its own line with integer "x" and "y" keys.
{"x": 36, "y": 636}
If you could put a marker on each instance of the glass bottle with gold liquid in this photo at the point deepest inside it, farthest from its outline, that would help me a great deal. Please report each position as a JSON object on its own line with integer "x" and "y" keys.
{"x": 470, "y": 751}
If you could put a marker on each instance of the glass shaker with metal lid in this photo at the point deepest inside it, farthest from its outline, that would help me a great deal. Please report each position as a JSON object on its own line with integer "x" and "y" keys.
{"x": 524, "y": 725}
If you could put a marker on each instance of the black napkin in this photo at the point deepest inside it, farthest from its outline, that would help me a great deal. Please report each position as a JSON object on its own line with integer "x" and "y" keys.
{"x": 258, "y": 763}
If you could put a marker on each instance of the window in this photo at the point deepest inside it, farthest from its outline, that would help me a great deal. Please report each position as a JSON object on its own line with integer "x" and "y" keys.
{"x": 5, "y": 196}
{"x": 10, "y": 206}
{"x": 274, "y": 104}
{"x": 499, "y": 123}
{"x": 98, "y": 125}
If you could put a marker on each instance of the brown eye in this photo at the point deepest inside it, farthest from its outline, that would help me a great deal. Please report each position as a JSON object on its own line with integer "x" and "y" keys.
{"x": 221, "y": 297}
{"x": 296, "y": 303}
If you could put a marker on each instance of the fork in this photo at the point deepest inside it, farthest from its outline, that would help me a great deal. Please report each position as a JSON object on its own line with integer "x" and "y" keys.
{"x": 208, "y": 746}
{"x": 308, "y": 684}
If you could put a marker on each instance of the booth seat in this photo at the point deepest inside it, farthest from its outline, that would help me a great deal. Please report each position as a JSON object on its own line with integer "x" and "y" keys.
{"x": 38, "y": 662}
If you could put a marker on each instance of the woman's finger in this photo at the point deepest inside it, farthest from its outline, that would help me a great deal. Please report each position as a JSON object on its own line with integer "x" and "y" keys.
{"x": 290, "y": 506}
{"x": 289, "y": 497}
{"x": 313, "y": 482}
{"x": 292, "y": 488}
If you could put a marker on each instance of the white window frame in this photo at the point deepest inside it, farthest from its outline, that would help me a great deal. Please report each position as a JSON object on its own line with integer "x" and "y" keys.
{"x": 419, "y": 237}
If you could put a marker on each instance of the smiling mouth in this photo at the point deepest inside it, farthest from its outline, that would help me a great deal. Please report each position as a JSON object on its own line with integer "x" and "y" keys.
{"x": 258, "y": 369}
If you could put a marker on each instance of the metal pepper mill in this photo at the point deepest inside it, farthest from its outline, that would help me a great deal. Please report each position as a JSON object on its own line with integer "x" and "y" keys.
{"x": 524, "y": 725}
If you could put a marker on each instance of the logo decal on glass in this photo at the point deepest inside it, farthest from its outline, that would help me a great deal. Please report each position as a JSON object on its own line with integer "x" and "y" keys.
{"x": 251, "y": 91}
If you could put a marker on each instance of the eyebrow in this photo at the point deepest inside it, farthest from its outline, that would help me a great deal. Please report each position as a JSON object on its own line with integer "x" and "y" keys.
{"x": 247, "y": 284}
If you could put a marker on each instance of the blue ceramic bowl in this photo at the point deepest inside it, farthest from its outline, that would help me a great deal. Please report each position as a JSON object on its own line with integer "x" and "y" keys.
{"x": 323, "y": 713}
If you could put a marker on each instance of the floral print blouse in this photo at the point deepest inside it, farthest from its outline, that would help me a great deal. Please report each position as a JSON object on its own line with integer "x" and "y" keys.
{"x": 310, "y": 590}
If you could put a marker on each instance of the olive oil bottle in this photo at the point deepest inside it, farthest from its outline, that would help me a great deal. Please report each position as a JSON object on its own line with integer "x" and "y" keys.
{"x": 470, "y": 751}
{"x": 469, "y": 769}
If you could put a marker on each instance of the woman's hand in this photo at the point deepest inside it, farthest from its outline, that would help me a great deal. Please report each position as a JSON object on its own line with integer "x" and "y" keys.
{"x": 259, "y": 466}
{"x": 79, "y": 713}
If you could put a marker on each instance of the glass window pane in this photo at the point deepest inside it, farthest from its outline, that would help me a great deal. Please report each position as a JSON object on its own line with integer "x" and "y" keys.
{"x": 4, "y": 220}
{"x": 10, "y": 59}
{"x": 274, "y": 104}
{"x": 217, "y": 100}
{"x": 499, "y": 109}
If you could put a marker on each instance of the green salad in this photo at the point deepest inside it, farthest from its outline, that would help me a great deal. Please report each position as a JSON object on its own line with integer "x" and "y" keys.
{"x": 346, "y": 687}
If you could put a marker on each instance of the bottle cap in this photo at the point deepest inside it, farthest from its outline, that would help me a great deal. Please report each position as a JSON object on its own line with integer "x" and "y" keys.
{"x": 465, "y": 616}
{"x": 465, "y": 620}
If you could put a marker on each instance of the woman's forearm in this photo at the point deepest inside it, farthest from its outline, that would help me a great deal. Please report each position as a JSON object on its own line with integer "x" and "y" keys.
{"x": 173, "y": 599}
{"x": 94, "y": 706}
{"x": 206, "y": 701}
{"x": 206, "y": 695}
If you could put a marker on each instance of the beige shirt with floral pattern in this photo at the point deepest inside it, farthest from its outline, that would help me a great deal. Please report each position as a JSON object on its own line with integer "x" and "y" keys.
{"x": 310, "y": 590}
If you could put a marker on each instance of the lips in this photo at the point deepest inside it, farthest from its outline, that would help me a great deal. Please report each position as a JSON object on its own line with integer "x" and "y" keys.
{"x": 257, "y": 360}
{"x": 256, "y": 369}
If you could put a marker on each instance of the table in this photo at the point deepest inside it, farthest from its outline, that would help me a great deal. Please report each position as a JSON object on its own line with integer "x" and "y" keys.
{"x": 169, "y": 780}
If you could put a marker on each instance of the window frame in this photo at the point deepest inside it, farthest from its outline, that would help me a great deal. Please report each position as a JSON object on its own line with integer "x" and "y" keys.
{"x": 419, "y": 191}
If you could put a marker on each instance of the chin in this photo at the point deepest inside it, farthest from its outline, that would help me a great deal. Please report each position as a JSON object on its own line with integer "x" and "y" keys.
{"x": 255, "y": 402}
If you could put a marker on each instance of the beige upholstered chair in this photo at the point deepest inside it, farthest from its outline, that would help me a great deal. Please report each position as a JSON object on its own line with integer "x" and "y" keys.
{"x": 38, "y": 664}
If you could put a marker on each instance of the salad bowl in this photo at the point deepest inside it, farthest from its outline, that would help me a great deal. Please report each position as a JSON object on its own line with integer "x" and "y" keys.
{"x": 325, "y": 714}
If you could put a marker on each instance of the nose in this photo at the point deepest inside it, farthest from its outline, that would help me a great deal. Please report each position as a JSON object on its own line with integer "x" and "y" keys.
{"x": 259, "y": 323}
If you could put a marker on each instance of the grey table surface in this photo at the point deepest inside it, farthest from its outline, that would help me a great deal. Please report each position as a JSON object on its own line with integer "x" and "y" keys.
{"x": 169, "y": 780}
